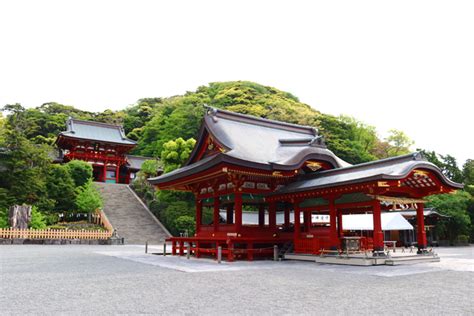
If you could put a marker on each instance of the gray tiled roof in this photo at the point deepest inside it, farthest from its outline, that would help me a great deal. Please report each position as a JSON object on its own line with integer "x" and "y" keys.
{"x": 385, "y": 169}
{"x": 281, "y": 145}
{"x": 96, "y": 131}
{"x": 136, "y": 162}
{"x": 255, "y": 142}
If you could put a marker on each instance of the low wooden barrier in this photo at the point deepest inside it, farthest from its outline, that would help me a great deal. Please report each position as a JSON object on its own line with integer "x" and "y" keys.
{"x": 10, "y": 233}
{"x": 99, "y": 218}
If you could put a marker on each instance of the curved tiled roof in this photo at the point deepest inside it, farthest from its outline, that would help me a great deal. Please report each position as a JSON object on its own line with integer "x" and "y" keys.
{"x": 96, "y": 131}
{"x": 255, "y": 142}
{"x": 386, "y": 169}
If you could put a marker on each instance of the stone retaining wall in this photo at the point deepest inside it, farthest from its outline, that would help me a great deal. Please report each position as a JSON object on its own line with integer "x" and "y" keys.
{"x": 22, "y": 241}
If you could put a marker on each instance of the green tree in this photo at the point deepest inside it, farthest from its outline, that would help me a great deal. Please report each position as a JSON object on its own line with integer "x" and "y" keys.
{"x": 185, "y": 224}
{"x": 151, "y": 167}
{"x": 446, "y": 163}
{"x": 176, "y": 152}
{"x": 2, "y": 130}
{"x": 468, "y": 172}
{"x": 4, "y": 218}
{"x": 24, "y": 164}
{"x": 38, "y": 219}
{"x": 88, "y": 199}
{"x": 455, "y": 206}
{"x": 60, "y": 188}
{"x": 400, "y": 143}
{"x": 80, "y": 171}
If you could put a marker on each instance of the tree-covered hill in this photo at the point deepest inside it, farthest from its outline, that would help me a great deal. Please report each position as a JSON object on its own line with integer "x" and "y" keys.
{"x": 152, "y": 122}
{"x": 164, "y": 128}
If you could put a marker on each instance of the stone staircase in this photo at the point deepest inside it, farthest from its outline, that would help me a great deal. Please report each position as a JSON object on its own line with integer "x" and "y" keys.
{"x": 129, "y": 216}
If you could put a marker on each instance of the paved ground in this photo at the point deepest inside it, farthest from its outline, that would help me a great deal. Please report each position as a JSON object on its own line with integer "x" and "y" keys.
{"x": 81, "y": 279}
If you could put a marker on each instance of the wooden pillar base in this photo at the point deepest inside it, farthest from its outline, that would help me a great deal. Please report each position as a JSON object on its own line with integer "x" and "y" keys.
{"x": 250, "y": 251}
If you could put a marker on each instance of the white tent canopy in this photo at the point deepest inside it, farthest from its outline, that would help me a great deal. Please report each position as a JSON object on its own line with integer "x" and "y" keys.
{"x": 390, "y": 221}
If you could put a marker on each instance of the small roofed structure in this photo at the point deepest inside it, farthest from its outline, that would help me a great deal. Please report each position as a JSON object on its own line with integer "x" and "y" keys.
{"x": 104, "y": 146}
{"x": 241, "y": 162}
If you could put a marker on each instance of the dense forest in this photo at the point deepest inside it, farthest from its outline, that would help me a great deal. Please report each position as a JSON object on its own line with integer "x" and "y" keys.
{"x": 165, "y": 128}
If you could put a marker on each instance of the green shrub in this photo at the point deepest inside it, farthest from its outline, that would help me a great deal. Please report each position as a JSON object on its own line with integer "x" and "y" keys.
{"x": 81, "y": 172}
{"x": 173, "y": 211}
{"x": 184, "y": 224}
{"x": 150, "y": 167}
{"x": 157, "y": 207}
{"x": 57, "y": 227}
{"x": 463, "y": 239}
{"x": 38, "y": 219}
{"x": 88, "y": 199}
{"x": 52, "y": 218}
{"x": 4, "y": 218}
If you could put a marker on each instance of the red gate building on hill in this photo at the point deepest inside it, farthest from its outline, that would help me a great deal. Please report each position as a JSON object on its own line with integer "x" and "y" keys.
{"x": 104, "y": 146}
{"x": 241, "y": 161}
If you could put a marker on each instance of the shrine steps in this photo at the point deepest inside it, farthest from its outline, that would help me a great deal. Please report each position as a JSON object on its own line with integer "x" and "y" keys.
{"x": 129, "y": 216}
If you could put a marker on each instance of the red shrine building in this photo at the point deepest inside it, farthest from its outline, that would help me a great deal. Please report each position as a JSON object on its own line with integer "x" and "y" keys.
{"x": 242, "y": 162}
{"x": 102, "y": 145}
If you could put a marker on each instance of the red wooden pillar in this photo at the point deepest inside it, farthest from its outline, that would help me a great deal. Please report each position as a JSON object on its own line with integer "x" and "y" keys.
{"x": 198, "y": 214}
{"x": 340, "y": 230}
{"x": 104, "y": 173}
{"x": 173, "y": 248}
{"x": 261, "y": 215}
{"x": 117, "y": 174}
{"x": 249, "y": 251}
{"x": 181, "y": 248}
{"x": 334, "y": 241}
{"x": 307, "y": 221}
{"x": 127, "y": 177}
{"x": 378, "y": 234}
{"x": 230, "y": 214}
{"x": 272, "y": 215}
{"x": 238, "y": 210}
{"x": 216, "y": 213}
{"x": 287, "y": 217}
{"x": 230, "y": 251}
{"x": 297, "y": 221}
{"x": 421, "y": 233}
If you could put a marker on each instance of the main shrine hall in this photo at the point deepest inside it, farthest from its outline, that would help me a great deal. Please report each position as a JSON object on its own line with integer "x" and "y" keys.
{"x": 242, "y": 162}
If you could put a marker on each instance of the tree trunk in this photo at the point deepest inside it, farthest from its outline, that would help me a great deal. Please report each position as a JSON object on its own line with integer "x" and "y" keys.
{"x": 19, "y": 216}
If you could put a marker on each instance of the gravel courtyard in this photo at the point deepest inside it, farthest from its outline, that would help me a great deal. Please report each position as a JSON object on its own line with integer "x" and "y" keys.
{"x": 99, "y": 280}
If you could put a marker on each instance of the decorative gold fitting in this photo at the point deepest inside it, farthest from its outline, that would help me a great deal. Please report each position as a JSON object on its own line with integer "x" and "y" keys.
{"x": 383, "y": 184}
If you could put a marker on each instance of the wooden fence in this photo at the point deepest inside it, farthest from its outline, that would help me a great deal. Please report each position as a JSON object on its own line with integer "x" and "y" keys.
{"x": 98, "y": 218}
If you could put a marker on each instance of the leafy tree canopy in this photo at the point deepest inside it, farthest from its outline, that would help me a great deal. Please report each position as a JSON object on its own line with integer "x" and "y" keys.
{"x": 80, "y": 171}
{"x": 88, "y": 198}
{"x": 446, "y": 163}
{"x": 468, "y": 172}
{"x": 454, "y": 205}
{"x": 151, "y": 167}
{"x": 176, "y": 152}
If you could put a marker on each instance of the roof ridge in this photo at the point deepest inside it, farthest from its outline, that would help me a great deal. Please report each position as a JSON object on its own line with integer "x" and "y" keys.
{"x": 136, "y": 156}
{"x": 212, "y": 111}
{"x": 96, "y": 123}
{"x": 412, "y": 156}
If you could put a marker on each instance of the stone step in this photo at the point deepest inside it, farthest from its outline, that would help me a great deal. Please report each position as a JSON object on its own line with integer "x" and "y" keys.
{"x": 129, "y": 216}
{"x": 411, "y": 260}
